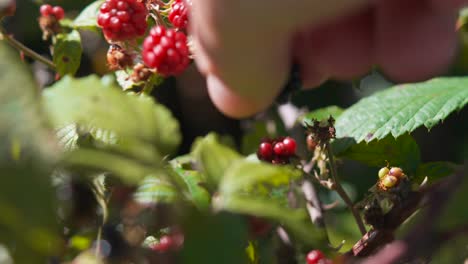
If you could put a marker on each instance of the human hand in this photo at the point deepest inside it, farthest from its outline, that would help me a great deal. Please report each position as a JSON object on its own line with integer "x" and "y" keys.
{"x": 246, "y": 47}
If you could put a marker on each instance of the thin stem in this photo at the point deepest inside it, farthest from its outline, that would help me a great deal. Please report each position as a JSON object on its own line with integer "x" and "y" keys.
{"x": 342, "y": 193}
{"x": 27, "y": 51}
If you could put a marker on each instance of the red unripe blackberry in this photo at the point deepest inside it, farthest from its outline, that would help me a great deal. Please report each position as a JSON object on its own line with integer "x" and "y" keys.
{"x": 122, "y": 20}
{"x": 45, "y": 10}
{"x": 166, "y": 51}
{"x": 279, "y": 149}
{"x": 289, "y": 145}
{"x": 314, "y": 257}
{"x": 265, "y": 151}
{"x": 56, "y": 11}
{"x": 165, "y": 243}
{"x": 179, "y": 14}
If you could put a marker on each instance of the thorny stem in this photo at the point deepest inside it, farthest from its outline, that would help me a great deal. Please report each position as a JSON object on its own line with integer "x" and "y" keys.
{"x": 27, "y": 51}
{"x": 342, "y": 193}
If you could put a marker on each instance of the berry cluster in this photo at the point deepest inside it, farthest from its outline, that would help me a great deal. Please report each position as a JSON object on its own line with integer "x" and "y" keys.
{"x": 169, "y": 242}
{"x": 179, "y": 14}
{"x": 317, "y": 257}
{"x": 390, "y": 177}
{"x": 277, "y": 151}
{"x": 122, "y": 20}
{"x": 166, "y": 51}
{"x": 55, "y": 11}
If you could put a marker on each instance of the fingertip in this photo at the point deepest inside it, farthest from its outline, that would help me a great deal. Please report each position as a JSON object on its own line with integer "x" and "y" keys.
{"x": 413, "y": 41}
{"x": 233, "y": 104}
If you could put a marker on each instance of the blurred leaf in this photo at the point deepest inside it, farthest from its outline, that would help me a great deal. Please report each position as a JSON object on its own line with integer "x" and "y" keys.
{"x": 400, "y": 152}
{"x": 192, "y": 183}
{"x": 341, "y": 225}
{"x": 322, "y": 114}
{"x": 254, "y": 177}
{"x": 27, "y": 211}
{"x": 221, "y": 238}
{"x": 455, "y": 214}
{"x": 67, "y": 52}
{"x": 129, "y": 170}
{"x": 86, "y": 102}
{"x": 402, "y": 109}
{"x": 296, "y": 221}
{"x": 248, "y": 188}
{"x": 434, "y": 171}
{"x": 214, "y": 158}
{"x": 155, "y": 189}
{"x": 87, "y": 19}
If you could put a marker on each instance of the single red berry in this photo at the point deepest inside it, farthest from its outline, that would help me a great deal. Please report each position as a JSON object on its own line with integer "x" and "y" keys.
{"x": 289, "y": 145}
{"x": 397, "y": 172}
{"x": 280, "y": 149}
{"x": 166, "y": 51}
{"x": 45, "y": 10}
{"x": 179, "y": 14}
{"x": 265, "y": 151}
{"x": 58, "y": 12}
{"x": 122, "y": 20}
{"x": 314, "y": 257}
{"x": 165, "y": 243}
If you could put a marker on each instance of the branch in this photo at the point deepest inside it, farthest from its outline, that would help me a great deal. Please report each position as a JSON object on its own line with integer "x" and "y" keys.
{"x": 342, "y": 193}
{"x": 27, "y": 51}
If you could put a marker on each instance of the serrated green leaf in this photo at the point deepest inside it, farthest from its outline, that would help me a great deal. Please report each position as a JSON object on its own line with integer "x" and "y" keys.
{"x": 214, "y": 158}
{"x": 67, "y": 52}
{"x": 192, "y": 184}
{"x": 87, "y": 19}
{"x": 245, "y": 176}
{"x": 322, "y": 114}
{"x": 27, "y": 210}
{"x": 402, "y": 109}
{"x": 434, "y": 171}
{"x": 401, "y": 152}
{"x": 155, "y": 189}
{"x": 92, "y": 105}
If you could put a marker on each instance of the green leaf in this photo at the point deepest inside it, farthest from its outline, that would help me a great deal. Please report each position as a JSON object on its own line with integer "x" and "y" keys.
{"x": 67, "y": 52}
{"x": 155, "y": 189}
{"x": 214, "y": 239}
{"x": 27, "y": 210}
{"x": 87, "y": 19}
{"x": 192, "y": 183}
{"x": 129, "y": 170}
{"x": 296, "y": 221}
{"x": 92, "y": 105}
{"x": 254, "y": 177}
{"x": 214, "y": 158}
{"x": 322, "y": 114}
{"x": 401, "y": 152}
{"x": 402, "y": 109}
{"x": 434, "y": 171}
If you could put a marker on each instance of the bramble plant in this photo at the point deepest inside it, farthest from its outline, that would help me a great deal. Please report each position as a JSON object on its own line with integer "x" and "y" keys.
{"x": 93, "y": 171}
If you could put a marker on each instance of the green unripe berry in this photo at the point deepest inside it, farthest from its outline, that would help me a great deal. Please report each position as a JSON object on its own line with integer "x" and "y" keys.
{"x": 389, "y": 181}
{"x": 383, "y": 172}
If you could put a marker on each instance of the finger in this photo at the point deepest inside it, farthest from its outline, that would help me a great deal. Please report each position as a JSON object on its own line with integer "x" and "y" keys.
{"x": 342, "y": 49}
{"x": 448, "y": 5}
{"x": 251, "y": 67}
{"x": 231, "y": 103}
{"x": 413, "y": 41}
